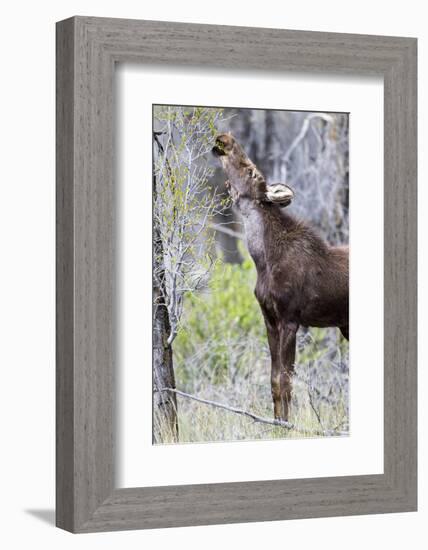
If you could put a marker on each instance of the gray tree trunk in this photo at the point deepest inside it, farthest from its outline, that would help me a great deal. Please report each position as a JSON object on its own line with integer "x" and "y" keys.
{"x": 165, "y": 423}
{"x": 227, "y": 243}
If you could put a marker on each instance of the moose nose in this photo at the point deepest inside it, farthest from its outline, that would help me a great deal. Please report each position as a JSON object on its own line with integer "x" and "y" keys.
{"x": 218, "y": 149}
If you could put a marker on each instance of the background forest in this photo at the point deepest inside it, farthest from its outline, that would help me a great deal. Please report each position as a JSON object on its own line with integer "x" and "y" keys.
{"x": 208, "y": 334}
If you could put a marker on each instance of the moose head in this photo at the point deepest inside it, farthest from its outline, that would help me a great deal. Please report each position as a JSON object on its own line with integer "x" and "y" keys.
{"x": 245, "y": 179}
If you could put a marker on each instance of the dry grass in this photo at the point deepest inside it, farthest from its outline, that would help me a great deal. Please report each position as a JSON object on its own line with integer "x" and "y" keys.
{"x": 320, "y": 395}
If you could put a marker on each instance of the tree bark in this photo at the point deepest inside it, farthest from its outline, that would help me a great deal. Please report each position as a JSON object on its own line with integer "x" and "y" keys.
{"x": 165, "y": 423}
{"x": 227, "y": 243}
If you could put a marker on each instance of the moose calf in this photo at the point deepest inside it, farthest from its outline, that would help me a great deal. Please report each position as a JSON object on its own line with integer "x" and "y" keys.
{"x": 301, "y": 280}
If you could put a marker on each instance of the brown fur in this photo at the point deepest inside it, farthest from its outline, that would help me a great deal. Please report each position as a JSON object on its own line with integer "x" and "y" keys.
{"x": 301, "y": 280}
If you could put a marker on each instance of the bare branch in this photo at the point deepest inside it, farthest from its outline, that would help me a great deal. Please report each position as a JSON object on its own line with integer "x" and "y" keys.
{"x": 303, "y": 131}
{"x": 315, "y": 410}
{"x": 226, "y": 230}
{"x": 183, "y": 208}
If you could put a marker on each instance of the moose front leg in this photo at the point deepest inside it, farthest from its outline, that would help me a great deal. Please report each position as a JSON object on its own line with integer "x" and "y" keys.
{"x": 275, "y": 375}
{"x": 287, "y": 351}
{"x": 282, "y": 346}
{"x": 275, "y": 380}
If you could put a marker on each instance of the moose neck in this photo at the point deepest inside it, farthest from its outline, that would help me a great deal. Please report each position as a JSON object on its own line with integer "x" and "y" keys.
{"x": 253, "y": 215}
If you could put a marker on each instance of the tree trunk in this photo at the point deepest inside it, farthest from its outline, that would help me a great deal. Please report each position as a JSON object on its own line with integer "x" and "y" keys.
{"x": 228, "y": 244}
{"x": 165, "y": 423}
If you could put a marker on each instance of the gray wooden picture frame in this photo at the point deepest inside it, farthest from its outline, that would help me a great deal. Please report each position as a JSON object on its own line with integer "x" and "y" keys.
{"x": 87, "y": 50}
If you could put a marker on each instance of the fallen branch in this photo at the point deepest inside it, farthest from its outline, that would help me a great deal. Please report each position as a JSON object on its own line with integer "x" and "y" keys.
{"x": 255, "y": 417}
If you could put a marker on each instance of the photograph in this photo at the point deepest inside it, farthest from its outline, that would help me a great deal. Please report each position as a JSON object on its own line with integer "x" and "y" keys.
{"x": 250, "y": 263}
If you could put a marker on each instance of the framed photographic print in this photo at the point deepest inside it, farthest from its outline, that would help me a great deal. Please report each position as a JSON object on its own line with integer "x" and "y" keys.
{"x": 236, "y": 274}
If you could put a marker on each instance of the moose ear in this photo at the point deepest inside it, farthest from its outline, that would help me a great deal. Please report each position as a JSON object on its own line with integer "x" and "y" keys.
{"x": 279, "y": 193}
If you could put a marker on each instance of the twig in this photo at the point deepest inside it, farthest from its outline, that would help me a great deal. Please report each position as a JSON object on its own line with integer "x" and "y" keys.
{"x": 312, "y": 404}
{"x": 226, "y": 230}
{"x": 303, "y": 130}
{"x": 255, "y": 417}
